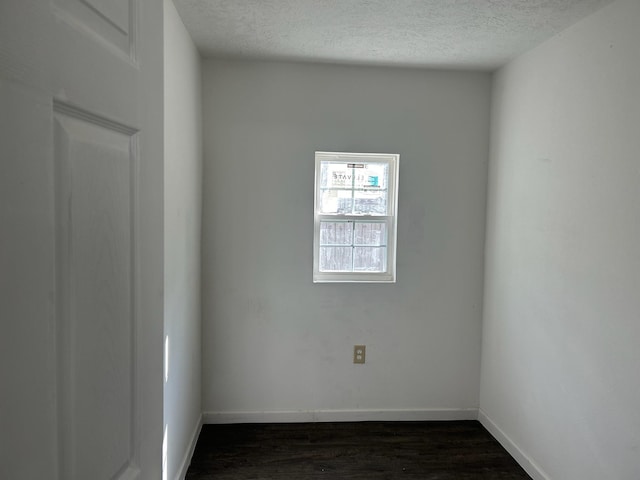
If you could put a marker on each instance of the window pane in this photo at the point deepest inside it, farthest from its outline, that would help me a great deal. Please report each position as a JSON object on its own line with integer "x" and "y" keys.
{"x": 368, "y": 259}
{"x": 336, "y": 201}
{"x": 336, "y": 259}
{"x": 336, "y": 175}
{"x": 370, "y": 175}
{"x": 336, "y": 233}
{"x": 370, "y": 233}
{"x": 370, "y": 202}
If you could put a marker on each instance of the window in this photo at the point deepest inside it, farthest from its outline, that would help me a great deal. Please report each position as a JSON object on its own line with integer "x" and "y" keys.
{"x": 355, "y": 217}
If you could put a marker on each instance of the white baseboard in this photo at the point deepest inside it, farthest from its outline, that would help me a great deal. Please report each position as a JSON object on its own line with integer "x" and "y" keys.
{"x": 184, "y": 466}
{"x": 531, "y": 467}
{"x": 341, "y": 416}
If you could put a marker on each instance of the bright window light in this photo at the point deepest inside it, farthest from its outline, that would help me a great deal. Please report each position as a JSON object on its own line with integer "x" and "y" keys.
{"x": 355, "y": 217}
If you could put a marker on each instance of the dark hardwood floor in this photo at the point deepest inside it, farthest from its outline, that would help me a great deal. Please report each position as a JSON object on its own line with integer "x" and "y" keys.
{"x": 363, "y": 451}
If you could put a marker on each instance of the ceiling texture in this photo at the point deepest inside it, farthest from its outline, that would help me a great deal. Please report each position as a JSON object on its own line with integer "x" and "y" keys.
{"x": 460, "y": 34}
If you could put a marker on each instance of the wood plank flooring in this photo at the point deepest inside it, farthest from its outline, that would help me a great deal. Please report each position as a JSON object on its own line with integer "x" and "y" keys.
{"x": 457, "y": 450}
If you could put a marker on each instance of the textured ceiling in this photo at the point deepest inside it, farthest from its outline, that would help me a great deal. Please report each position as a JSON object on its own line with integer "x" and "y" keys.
{"x": 473, "y": 34}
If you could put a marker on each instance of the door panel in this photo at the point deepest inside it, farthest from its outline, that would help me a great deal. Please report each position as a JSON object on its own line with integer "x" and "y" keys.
{"x": 112, "y": 21}
{"x": 96, "y": 169}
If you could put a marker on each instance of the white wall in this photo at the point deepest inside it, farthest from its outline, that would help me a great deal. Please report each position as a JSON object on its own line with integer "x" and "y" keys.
{"x": 562, "y": 306}
{"x": 183, "y": 193}
{"x": 275, "y": 342}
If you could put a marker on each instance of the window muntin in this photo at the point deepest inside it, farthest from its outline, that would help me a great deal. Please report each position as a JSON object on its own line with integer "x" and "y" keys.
{"x": 355, "y": 217}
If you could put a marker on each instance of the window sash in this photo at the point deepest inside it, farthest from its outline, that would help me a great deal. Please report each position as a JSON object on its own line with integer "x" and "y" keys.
{"x": 355, "y": 240}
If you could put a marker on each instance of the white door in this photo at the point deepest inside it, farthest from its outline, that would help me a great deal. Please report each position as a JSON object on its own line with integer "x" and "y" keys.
{"x": 81, "y": 241}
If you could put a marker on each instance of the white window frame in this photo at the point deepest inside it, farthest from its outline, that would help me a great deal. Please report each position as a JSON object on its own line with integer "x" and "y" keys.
{"x": 389, "y": 275}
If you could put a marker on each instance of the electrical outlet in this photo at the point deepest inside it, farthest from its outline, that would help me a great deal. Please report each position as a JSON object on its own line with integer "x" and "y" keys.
{"x": 359, "y": 352}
